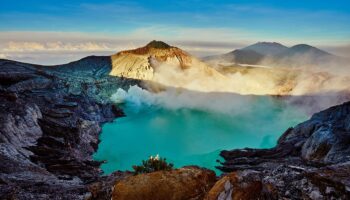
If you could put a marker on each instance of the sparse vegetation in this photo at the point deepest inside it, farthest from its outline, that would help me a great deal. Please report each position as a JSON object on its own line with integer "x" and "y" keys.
{"x": 152, "y": 164}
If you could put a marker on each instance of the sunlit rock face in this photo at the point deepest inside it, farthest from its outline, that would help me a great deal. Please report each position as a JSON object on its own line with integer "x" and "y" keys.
{"x": 183, "y": 183}
{"x": 163, "y": 64}
{"x": 140, "y": 63}
{"x": 241, "y": 186}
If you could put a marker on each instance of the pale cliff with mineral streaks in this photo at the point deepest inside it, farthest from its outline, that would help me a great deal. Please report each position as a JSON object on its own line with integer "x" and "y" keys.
{"x": 142, "y": 63}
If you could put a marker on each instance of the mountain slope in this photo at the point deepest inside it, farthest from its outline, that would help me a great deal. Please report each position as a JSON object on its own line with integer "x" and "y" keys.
{"x": 303, "y": 55}
{"x": 252, "y": 55}
{"x": 139, "y": 63}
{"x": 267, "y": 48}
{"x": 95, "y": 66}
{"x": 275, "y": 54}
{"x": 142, "y": 63}
{"x": 237, "y": 56}
{"x": 303, "y": 50}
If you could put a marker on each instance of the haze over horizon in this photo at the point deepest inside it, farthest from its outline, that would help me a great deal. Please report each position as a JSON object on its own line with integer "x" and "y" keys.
{"x": 56, "y": 32}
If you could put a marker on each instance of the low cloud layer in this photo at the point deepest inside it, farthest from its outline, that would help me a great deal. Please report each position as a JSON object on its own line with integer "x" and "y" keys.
{"x": 54, "y": 46}
{"x": 37, "y": 47}
{"x": 340, "y": 50}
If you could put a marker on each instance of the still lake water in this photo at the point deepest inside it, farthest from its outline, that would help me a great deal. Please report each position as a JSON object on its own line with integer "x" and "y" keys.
{"x": 191, "y": 136}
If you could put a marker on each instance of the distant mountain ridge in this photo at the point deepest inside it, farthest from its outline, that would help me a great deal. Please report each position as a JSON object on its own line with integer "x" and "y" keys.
{"x": 274, "y": 53}
{"x": 266, "y": 48}
{"x": 245, "y": 56}
{"x": 303, "y": 49}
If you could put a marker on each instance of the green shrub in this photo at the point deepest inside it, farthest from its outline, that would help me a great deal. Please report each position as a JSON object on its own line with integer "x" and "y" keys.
{"x": 152, "y": 164}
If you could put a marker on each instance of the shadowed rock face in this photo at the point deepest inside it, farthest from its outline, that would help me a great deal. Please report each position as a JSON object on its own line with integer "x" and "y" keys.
{"x": 49, "y": 125}
{"x": 311, "y": 160}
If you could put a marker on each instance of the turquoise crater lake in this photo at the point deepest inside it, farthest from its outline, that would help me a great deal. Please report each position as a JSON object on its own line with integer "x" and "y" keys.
{"x": 188, "y": 136}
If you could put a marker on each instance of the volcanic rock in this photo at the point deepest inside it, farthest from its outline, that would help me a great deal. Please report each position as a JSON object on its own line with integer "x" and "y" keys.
{"x": 310, "y": 161}
{"x": 183, "y": 183}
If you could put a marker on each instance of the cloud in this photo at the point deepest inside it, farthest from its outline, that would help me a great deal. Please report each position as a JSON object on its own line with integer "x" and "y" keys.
{"x": 30, "y": 46}
{"x": 54, "y": 46}
{"x": 201, "y": 42}
{"x": 179, "y": 33}
{"x": 25, "y": 46}
{"x": 341, "y": 50}
{"x": 3, "y": 56}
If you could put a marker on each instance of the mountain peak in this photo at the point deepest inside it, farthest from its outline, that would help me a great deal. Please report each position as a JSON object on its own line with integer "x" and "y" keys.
{"x": 140, "y": 63}
{"x": 269, "y": 43}
{"x": 302, "y": 46}
{"x": 305, "y": 48}
{"x": 158, "y": 45}
{"x": 266, "y": 48}
{"x": 152, "y": 48}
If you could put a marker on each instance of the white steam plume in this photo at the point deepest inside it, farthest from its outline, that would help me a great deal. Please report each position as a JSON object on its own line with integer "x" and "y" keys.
{"x": 201, "y": 87}
{"x": 174, "y": 99}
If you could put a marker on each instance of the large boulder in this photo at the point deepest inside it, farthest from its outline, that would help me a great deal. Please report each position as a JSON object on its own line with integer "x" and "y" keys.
{"x": 184, "y": 183}
{"x": 241, "y": 186}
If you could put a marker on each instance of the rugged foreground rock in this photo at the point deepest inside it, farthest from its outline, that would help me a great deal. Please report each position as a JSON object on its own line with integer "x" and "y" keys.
{"x": 310, "y": 161}
{"x": 184, "y": 183}
{"x": 49, "y": 124}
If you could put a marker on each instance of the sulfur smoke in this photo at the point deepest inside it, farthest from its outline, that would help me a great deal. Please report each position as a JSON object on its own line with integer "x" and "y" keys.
{"x": 233, "y": 89}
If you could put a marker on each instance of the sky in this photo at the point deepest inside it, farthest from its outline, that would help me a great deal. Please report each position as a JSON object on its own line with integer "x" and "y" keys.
{"x": 59, "y": 31}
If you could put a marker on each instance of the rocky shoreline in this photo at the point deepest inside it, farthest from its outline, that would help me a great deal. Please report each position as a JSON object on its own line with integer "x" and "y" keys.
{"x": 310, "y": 161}
{"x": 50, "y": 122}
{"x": 50, "y": 119}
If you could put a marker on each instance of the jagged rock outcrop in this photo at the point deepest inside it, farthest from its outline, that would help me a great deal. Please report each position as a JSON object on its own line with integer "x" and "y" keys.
{"x": 49, "y": 133}
{"x": 241, "y": 186}
{"x": 310, "y": 161}
{"x": 184, "y": 183}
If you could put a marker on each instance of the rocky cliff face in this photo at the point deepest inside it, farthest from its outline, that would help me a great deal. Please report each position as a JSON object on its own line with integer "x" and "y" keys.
{"x": 49, "y": 125}
{"x": 142, "y": 63}
{"x": 310, "y": 161}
